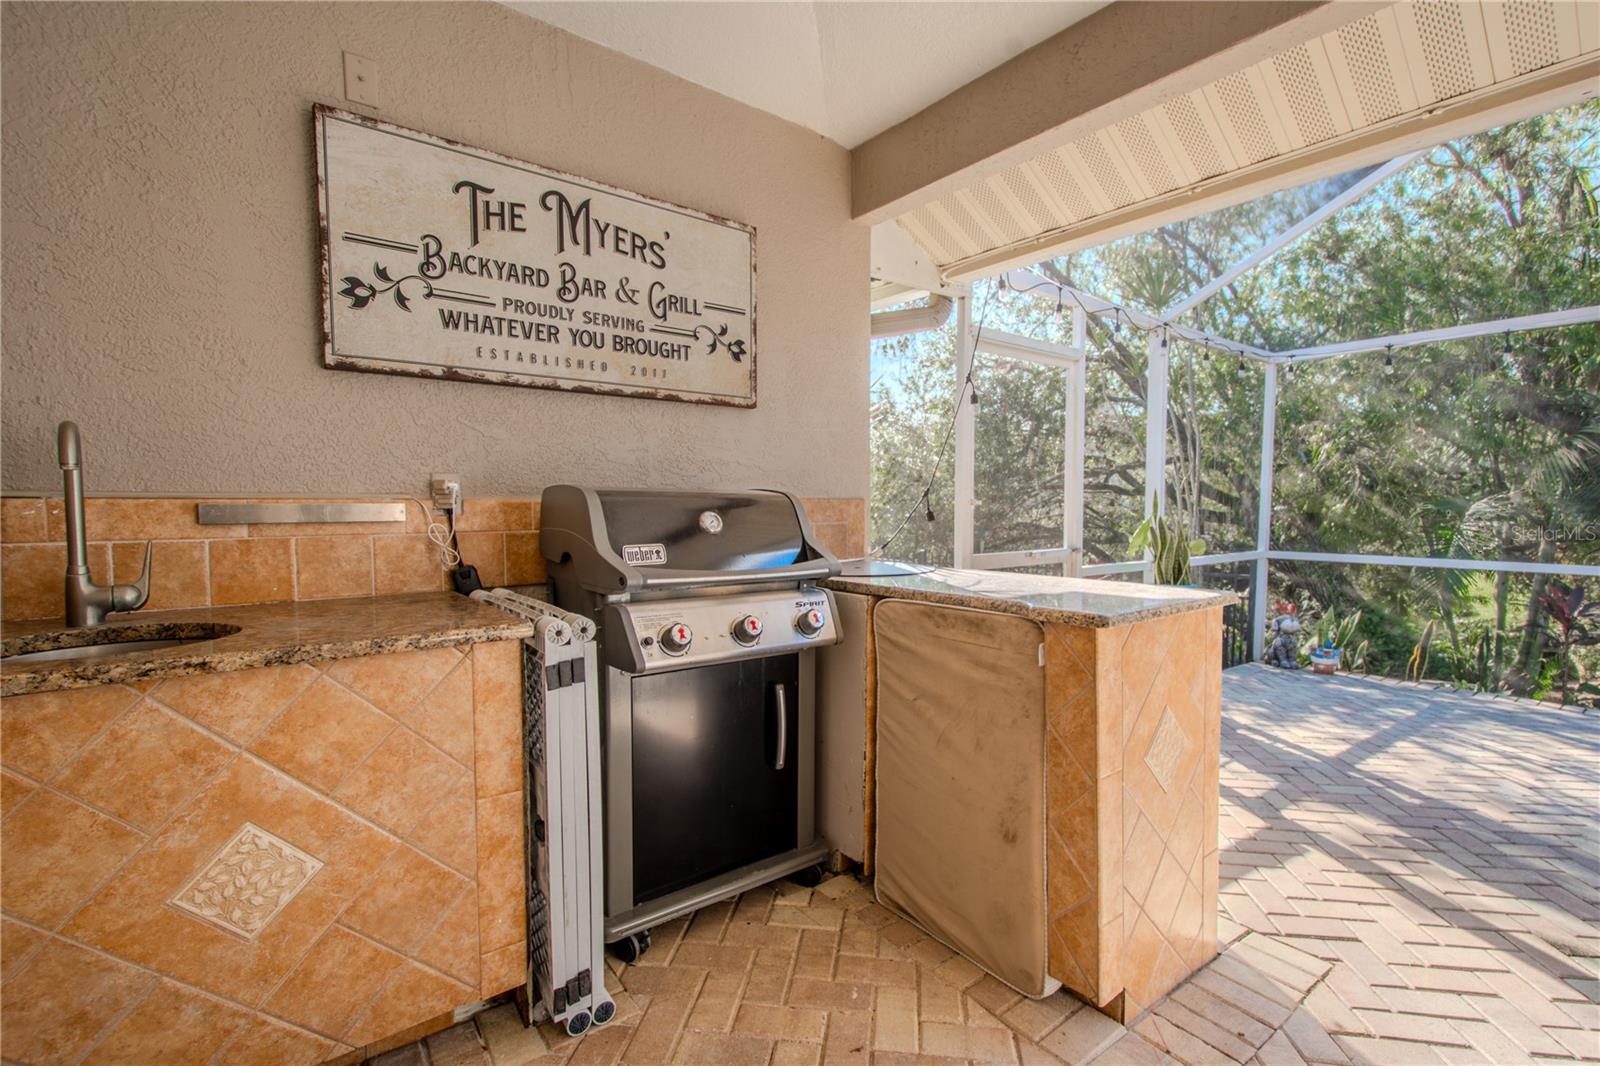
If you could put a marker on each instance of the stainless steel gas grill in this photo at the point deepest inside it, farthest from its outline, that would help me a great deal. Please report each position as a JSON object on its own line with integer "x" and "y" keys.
{"x": 708, "y": 619}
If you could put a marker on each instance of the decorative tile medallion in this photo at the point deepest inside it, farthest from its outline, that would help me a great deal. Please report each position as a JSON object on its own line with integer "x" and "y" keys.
{"x": 1166, "y": 749}
{"x": 248, "y": 882}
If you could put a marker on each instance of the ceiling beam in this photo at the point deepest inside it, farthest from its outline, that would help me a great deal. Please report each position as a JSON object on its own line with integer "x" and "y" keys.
{"x": 1124, "y": 58}
{"x": 1536, "y": 93}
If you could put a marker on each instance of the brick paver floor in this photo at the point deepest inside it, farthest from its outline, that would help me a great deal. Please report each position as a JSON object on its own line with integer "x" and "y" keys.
{"x": 1408, "y": 876}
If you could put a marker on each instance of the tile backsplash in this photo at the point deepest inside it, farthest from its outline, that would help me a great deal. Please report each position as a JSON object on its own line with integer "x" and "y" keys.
{"x": 200, "y": 566}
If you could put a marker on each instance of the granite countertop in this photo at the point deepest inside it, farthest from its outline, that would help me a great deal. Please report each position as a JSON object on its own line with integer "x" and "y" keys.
{"x": 269, "y": 634}
{"x": 1067, "y": 600}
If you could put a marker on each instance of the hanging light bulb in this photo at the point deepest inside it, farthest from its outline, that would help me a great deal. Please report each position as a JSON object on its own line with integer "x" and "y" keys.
{"x": 1003, "y": 285}
{"x": 1241, "y": 370}
{"x": 928, "y": 503}
{"x": 1058, "y": 303}
{"x": 1290, "y": 371}
{"x": 1388, "y": 359}
{"x": 1116, "y": 321}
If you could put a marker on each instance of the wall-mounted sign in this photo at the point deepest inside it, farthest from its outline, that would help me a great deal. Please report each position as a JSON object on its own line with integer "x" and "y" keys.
{"x": 445, "y": 261}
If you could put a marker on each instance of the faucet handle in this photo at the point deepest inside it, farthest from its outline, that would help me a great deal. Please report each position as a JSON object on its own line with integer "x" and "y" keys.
{"x": 132, "y": 597}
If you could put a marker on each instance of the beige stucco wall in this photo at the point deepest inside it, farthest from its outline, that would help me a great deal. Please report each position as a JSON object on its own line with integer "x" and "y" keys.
{"x": 161, "y": 260}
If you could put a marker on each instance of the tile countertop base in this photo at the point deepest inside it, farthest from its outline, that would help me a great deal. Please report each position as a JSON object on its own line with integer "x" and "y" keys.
{"x": 271, "y": 634}
{"x": 1130, "y": 752}
{"x": 1061, "y": 600}
{"x": 293, "y": 863}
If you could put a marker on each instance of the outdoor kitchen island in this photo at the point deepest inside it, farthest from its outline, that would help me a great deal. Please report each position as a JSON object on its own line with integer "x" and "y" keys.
{"x": 1041, "y": 757}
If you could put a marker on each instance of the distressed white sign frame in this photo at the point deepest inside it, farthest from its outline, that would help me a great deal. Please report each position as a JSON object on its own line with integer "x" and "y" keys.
{"x": 445, "y": 261}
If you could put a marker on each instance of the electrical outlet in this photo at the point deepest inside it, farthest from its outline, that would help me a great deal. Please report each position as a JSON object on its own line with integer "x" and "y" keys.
{"x": 360, "y": 80}
{"x": 446, "y": 491}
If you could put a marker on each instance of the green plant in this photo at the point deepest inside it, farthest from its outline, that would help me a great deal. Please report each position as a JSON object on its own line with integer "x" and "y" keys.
{"x": 1168, "y": 546}
{"x": 1331, "y": 631}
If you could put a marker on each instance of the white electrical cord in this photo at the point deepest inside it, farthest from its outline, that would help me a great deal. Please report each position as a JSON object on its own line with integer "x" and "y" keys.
{"x": 443, "y": 536}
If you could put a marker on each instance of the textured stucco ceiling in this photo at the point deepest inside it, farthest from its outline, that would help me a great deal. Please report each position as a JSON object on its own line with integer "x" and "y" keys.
{"x": 845, "y": 70}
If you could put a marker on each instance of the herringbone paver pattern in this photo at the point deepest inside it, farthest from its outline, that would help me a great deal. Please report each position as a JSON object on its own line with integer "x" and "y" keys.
{"x": 1435, "y": 850}
{"x": 1409, "y": 875}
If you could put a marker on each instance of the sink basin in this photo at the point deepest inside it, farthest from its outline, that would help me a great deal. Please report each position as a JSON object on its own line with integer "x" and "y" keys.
{"x": 98, "y": 642}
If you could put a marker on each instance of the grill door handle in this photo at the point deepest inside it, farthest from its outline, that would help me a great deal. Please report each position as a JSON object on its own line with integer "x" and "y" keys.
{"x": 780, "y": 699}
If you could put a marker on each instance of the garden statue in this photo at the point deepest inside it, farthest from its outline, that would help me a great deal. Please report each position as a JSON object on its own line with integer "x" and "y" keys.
{"x": 1285, "y": 649}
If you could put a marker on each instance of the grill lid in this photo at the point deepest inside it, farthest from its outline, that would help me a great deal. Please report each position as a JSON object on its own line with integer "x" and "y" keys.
{"x": 620, "y": 539}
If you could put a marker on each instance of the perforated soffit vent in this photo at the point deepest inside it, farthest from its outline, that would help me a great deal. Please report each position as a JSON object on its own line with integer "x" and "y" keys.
{"x": 1385, "y": 65}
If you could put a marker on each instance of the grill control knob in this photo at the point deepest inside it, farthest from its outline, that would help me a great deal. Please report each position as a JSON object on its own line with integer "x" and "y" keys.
{"x": 747, "y": 630}
{"x": 675, "y": 638}
{"x": 810, "y": 622}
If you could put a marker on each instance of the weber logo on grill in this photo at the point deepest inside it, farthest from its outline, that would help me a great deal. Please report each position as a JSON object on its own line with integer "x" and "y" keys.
{"x": 644, "y": 554}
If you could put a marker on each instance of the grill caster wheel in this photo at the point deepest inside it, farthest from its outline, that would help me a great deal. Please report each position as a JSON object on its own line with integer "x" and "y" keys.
{"x": 808, "y": 876}
{"x": 604, "y": 1011}
{"x": 632, "y": 946}
{"x": 578, "y": 1023}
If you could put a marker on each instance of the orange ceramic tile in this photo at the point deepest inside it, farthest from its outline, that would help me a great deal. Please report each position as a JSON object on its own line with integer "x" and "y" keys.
{"x": 62, "y": 1001}
{"x": 251, "y": 571}
{"x": 497, "y": 711}
{"x": 487, "y": 552}
{"x": 452, "y": 946}
{"x": 22, "y": 520}
{"x": 39, "y": 732}
{"x": 525, "y": 563}
{"x": 132, "y": 916}
{"x": 401, "y": 781}
{"x": 1108, "y": 801}
{"x": 832, "y": 536}
{"x": 18, "y": 942}
{"x": 406, "y": 564}
{"x": 32, "y": 578}
{"x": 501, "y": 514}
{"x": 268, "y": 1042}
{"x": 56, "y": 852}
{"x": 395, "y": 683}
{"x": 141, "y": 518}
{"x": 173, "y": 1025}
{"x": 240, "y": 704}
{"x": 13, "y": 790}
{"x": 1067, "y": 885}
{"x": 504, "y": 969}
{"x": 1074, "y": 938}
{"x": 823, "y": 509}
{"x": 1166, "y": 888}
{"x": 411, "y": 993}
{"x": 405, "y": 900}
{"x": 446, "y": 832}
{"x": 328, "y": 567}
{"x": 501, "y": 871}
{"x": 334, "y": 982}
{"x": 178, "y": 572}
{"x": 1142, "y": 853}
{"x": 144, "y": 766}
{"x": 323, "y": 735}
{"x": 444, "y": 717}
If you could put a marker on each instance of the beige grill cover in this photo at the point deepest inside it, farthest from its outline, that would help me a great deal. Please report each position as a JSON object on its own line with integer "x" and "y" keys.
{"x": 960, "y": 843}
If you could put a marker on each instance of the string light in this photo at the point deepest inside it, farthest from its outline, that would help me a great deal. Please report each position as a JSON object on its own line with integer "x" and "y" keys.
{"x": 1388, "y": 359}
